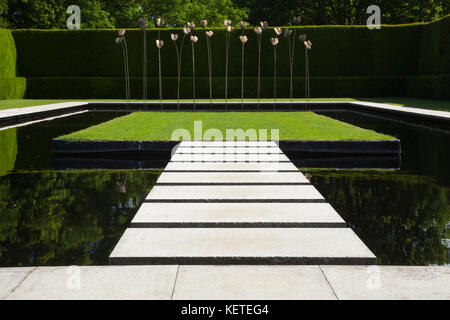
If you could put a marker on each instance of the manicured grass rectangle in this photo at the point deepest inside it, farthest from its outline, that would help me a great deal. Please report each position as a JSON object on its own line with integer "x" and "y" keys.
{"x": 157, "y": 126}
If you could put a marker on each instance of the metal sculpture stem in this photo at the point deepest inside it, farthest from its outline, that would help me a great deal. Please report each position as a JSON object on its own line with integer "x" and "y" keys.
{"x": 227, "y": 38}
{"x": 127, "y": 71}
{"x": 193, "y": 72}
{"x": 208, "y": 44}
{"x": 242, "y": 78}
{"x": 160, "y": 80}
{"x": 259, "y": 71}
{"x": 179, "y": 60}
{"x": 291, "y": 69}
{"x": 178, "y": 78}
{"x": 274, "y": 76}
{"x": 307, "y": 83}
{"x": 144, "y": 73}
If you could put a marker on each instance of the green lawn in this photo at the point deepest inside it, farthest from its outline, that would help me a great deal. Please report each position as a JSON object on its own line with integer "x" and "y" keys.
{"x": 157, "y": 126}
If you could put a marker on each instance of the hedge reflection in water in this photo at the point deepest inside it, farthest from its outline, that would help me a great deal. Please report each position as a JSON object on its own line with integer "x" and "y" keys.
{"x": 65, "y": 218}
{"x": 401, "y": 218}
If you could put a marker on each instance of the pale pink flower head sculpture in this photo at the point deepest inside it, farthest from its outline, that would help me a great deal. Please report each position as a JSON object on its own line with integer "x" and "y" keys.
{"x": 243, "y": 39}
{"x": 159, "y": 44}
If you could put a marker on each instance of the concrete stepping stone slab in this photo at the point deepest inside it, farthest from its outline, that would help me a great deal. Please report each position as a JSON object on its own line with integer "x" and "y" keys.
{"x": 237, "y": 215}
{"x": 230, "y": 158}
{"x": 238, "y": 193}
{"x": 335, "y": 246}
{"x": 228, "y": 144}
{"x": 230, "y": 166}
{"x": 233, "y": 178}
{"x": 228, "y": 150}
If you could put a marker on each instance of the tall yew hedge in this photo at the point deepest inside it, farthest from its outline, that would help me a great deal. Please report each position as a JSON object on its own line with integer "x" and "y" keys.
{"x": 344, "y": 61}
{"x": 10, "y": 86}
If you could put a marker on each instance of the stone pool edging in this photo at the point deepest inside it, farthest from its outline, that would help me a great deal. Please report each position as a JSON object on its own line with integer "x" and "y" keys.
{"x": 13, "y": 117}
{"x": 369, "y": 147}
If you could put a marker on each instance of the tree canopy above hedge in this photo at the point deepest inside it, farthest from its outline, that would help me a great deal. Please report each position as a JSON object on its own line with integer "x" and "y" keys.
{"x": 51, "y": 14}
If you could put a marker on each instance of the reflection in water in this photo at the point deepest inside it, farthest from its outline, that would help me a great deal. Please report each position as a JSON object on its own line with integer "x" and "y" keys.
{"x": 65, "y": 218}
{"x": 401, "y": 218}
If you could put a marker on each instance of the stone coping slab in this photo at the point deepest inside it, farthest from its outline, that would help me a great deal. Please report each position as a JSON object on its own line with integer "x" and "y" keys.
{"x": 389, "y": 282}
{"x": 240, "y": 193}
{"x": 229, "y": 158}
{"x": 241, "y": 246}
{"x": 10, "y": 278}
{"x": 242, "y": 144}
{"x": 229, "y": 167}
{"x": 228, "y": 150}
{"x": 97, "y": 282}
{"x": 243, "y": 282}
{"x": 242, "y": 215}
{"x": 235, "y": 178}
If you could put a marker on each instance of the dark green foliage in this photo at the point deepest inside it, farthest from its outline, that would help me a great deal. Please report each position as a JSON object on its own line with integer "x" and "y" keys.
{"x": 8, "y": 142}
{"x": 432, "y": 87}
{"x": 345, "y": 61}
{"x": 435, "y": 48}
{"x": 56, "y": 218}
{"x": 337, "y": 51}
{"x": 114, "y": 88}
{"x": 12, "y": 88}
{"x": 7, "y": 54}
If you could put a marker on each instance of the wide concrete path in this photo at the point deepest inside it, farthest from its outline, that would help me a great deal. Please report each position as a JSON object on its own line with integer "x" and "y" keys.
{"x": 236, "y": 203}
{"x": 226, "y": 282}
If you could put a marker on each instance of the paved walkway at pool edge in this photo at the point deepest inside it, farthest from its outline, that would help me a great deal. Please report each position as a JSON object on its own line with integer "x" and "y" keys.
{"x": 166, "y": 282}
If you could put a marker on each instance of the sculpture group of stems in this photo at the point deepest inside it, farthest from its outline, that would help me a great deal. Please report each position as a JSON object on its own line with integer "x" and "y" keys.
{"x": 127, "y": 70}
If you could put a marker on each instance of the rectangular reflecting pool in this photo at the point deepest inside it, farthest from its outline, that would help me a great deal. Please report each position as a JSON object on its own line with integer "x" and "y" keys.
{"x": 50, "y": 217}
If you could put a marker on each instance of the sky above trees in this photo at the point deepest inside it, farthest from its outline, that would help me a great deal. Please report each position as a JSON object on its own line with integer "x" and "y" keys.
{"x": 51, "y": 14}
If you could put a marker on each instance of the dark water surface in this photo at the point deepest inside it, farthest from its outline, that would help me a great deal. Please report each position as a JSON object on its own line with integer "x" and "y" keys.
{"x": 69, "y": 217}
{"x": 402, "y": 216}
